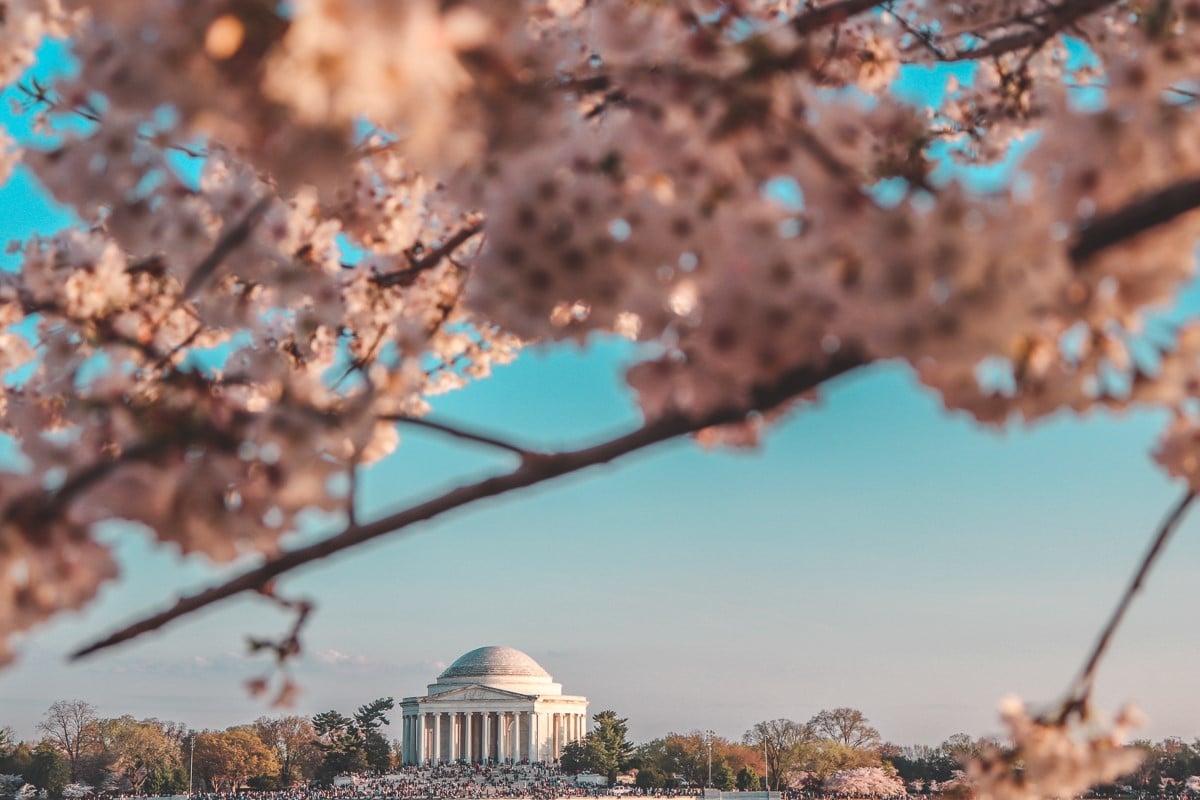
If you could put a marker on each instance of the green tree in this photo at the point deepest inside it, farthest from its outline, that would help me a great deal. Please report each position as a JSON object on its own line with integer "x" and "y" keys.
{"x": 606, "y": 750}
{"x": 650, "y": 777}
{"x": 748, "y": 780}
{"x": 18, "y": 761}
{"x": 723, "y": 777}
{"x": 582, "y": 755}
{"x": 611, "y": 734}
{"x": 340, "y": 745}
{"x": 368, "y": 721}
{"x": 49, "y": 769}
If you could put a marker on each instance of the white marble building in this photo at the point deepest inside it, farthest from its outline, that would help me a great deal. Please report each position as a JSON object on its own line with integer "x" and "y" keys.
{"x": 492, "y": 704}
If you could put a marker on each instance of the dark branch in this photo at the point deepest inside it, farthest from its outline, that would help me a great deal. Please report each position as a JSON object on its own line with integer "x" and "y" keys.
{"x": 404, "y": 277}
{"x": 1056, "y": 19}
{"x": 531, "y": 471}
{"x": 459, "y": 433}
{"x": 1138, "y": 217}
{"x": 820, "y": 17}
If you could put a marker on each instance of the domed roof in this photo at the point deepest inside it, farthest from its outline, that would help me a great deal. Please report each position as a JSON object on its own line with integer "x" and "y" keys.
{"x": 483, "y": 662}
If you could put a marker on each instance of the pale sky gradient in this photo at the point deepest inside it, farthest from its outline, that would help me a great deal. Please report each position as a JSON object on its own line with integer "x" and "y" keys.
{"x": 877, "y": 552}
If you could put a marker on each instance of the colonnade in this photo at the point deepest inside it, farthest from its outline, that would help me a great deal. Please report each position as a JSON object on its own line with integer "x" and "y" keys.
{"x": 482, "y": 736}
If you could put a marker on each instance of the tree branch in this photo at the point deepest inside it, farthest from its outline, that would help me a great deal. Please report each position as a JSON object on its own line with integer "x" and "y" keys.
{"x": 1082, "y": 687}
{"x": 404, "y": 277}
{"x": 459, "y": 433}
{"x": 530, "y": 472}
{"x": 831, "y": 14}
{"x": 1135, "y": 218}
{"x": 1056, "y": 19}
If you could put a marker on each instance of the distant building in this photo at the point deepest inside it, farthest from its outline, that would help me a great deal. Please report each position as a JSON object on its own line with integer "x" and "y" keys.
{"x": 493, "y": 704}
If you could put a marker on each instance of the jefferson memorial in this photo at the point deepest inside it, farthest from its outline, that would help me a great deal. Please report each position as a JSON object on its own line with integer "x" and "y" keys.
{"x": 493, "y": 704}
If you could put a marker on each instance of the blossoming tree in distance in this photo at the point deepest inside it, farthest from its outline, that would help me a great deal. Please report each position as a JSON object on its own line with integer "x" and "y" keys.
{"x": 359, "y": 204}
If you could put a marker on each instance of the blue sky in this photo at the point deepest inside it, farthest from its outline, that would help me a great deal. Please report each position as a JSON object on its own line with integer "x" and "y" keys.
{"x": 876, "y": 552}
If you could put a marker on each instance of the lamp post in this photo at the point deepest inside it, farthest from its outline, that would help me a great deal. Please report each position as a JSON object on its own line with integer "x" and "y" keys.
{"x": 191, "y": 761}
{"x": 708, "y": 740}
{"x": 766, "y": 770}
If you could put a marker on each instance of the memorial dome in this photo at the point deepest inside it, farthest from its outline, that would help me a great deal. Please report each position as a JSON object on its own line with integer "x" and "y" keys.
{"x": 504, "y": 668}
{"x": 494, "y": 661}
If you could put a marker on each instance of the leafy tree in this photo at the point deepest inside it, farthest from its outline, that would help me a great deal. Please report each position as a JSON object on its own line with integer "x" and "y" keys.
{"x": 293, "y": 741}
{"x": 849, "y": 726}
{"x": 18, "y": 761}
{"x": 49, "y": 769}
{"x": 73, "y": 727}
{"x": 748, "y": 780}
{"x": 650, "y": 778}
{"x": 582, "y": 755}
{"x": 227, "y": 760}
{"x": 138, "y": 750}
{"x": 824, "y": 757}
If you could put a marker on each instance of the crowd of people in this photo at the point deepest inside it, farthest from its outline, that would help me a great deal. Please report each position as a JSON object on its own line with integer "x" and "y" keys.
{"x": 447, "y": 781}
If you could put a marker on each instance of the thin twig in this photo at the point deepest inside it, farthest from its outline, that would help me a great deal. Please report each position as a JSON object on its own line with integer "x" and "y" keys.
{"x": 530, "y": 472}
{"x": 459, "y": 433}
{"x": 1082, "y": 687}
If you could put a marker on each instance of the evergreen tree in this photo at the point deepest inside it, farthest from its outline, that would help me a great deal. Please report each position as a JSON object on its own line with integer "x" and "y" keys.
{"x": 723, "y": 777}
{"x": 368, "y": 720}
{"x": 748, "y": 780}
{"x": 49, "y": 769}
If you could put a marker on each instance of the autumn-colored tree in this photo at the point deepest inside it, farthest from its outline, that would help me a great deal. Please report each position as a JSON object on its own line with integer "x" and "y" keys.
{"x": 138, "y": 750}
{"x": 822, "y": 758}
{"x": 226, "y": 760}
{"x": 293, "y": 741}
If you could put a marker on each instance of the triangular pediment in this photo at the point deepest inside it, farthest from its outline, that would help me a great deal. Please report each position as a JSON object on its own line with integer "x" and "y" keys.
{"x": 476, "y": 692}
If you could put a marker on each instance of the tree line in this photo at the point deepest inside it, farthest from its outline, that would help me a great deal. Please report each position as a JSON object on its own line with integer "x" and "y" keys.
{"x": 151, "y": 756}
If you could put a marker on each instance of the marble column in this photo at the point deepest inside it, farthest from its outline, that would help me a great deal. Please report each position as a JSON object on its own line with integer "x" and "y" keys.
{"x": 486, "y": 736}
{"x": 421, "y": 737}
{"x": 408, "y": 739}
{"x": 530, "y": 736}
{"x": 437, "y": 738}
{"x": 470, "y": 754}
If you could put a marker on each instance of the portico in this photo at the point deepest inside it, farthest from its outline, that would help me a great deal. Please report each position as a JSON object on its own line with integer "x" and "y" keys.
{"x": 494, "y": 704}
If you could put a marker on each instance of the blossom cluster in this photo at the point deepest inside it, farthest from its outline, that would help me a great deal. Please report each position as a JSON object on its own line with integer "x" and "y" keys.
{"x": 1052, "y": 758}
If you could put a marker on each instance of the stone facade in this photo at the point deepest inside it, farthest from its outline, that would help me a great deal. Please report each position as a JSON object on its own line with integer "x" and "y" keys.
{"x": 494, "y": 704}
